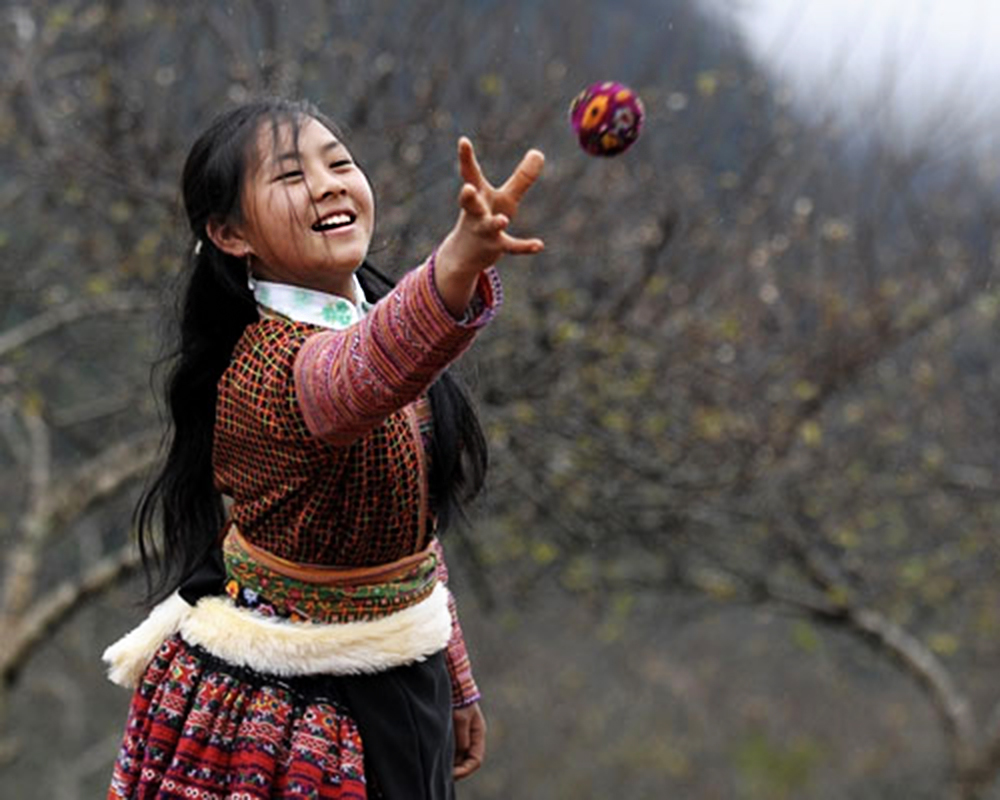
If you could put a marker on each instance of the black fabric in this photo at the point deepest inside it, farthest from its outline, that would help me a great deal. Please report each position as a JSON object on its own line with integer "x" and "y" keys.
{"x": 404, "y": 714}
{"x": 208, "y": 579}
{"x": 405, "y": 719}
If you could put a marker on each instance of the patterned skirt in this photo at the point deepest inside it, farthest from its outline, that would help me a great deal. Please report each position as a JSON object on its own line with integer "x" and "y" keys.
{"x": 249, "y": 703}
{"x": 200, "y": 728}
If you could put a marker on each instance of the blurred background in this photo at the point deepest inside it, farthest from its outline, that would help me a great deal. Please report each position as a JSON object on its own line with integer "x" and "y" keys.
{"x": 739, "y": 538}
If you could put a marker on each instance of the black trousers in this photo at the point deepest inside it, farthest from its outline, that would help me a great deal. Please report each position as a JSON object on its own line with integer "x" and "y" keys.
{"x": 405, "y": 719}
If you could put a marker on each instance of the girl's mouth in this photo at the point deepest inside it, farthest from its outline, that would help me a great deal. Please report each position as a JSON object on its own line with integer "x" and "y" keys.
{"x": 338, "y": 219}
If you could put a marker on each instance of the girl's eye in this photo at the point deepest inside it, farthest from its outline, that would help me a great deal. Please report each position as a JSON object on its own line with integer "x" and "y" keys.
{"x": 291, "y": 175}
{"x": 341, "y": 164}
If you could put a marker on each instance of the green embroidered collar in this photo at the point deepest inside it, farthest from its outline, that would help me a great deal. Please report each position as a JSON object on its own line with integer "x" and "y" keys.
{"x": 311, "y": 306}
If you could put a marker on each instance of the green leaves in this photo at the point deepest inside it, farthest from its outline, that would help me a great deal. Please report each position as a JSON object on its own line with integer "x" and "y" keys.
{"x": 777, "y": 770}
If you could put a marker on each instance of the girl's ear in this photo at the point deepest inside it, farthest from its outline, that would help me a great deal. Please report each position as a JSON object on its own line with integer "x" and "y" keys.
{"x": 229, "y": 238}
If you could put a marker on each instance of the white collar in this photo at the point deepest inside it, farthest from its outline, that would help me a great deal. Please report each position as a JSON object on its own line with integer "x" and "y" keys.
{"x": 312, "y": 306}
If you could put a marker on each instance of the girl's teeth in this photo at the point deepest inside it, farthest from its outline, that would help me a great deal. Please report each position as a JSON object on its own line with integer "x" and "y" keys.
{"x": 333, "y": 221}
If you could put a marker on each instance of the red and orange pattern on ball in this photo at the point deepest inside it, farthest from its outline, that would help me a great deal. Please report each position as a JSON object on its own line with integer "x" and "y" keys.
{"x": 607, "y": 118}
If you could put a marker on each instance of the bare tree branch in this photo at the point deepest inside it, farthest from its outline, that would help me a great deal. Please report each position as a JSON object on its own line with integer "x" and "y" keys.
{"x": 21, "y": 564}
{"x": 103, "y": 476}
{"x": 92, "y": 482}
{"x": 51, "y": 609}
{"x": 918, "y": 660}
{"x": 73, "y": 311}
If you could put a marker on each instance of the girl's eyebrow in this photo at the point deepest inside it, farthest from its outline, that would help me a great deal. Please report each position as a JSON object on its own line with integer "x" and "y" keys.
{"x": 333, "y": 144}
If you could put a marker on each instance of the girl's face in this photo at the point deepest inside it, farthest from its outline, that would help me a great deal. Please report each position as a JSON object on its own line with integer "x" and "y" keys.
{"x": 308, "y": 209}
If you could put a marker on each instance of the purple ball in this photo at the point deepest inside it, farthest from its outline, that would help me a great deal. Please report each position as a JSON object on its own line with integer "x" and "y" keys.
{"x": 607, "y": 118}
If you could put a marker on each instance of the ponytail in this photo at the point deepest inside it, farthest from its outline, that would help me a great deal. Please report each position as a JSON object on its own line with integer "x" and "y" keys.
{"x": 182, "y": 506}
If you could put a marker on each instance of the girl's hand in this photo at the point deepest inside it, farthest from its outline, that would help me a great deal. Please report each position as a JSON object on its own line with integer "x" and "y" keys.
{"x": 470, "y": 740}
{"x": 480, "y": 237}
{"x": 481, "y": 232}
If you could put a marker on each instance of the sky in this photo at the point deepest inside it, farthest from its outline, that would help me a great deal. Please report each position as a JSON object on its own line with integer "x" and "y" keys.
{"x": 917, "y": 72}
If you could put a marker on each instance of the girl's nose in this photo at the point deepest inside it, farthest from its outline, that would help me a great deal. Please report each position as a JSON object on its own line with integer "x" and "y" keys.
{"x": 328, "y": 183}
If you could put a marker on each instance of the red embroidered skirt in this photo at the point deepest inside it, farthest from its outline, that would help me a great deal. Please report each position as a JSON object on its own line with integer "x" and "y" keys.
{"x": 199, "y": 728}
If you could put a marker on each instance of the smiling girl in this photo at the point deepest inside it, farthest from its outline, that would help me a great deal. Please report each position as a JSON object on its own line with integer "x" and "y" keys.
{"x": 308, "y": 645}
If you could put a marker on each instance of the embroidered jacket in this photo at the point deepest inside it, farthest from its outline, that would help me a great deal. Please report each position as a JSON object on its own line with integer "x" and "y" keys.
{"x": 317, "y": 437}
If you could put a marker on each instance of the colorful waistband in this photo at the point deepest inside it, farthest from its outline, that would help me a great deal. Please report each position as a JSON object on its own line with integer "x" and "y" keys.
{"x": 275, "y": 587}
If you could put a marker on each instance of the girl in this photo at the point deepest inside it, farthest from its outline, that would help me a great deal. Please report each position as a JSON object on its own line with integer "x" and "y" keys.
{"x": 311, "y": 648}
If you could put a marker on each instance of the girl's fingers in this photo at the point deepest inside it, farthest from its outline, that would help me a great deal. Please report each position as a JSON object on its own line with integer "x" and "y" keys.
{"x": 498, "y": 223}
{"x": 521, "y": 247}
{"x": 471, "y": 201}
{"x": 468, "y": 165}
{"x": 487, "y": 206}
{"x": 524, "y": 175}
{"x": 508, "y": 196}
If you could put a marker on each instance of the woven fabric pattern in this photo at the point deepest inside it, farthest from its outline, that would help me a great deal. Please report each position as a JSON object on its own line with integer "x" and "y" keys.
{"x": 201, "y": 729}
{"x": 348, "y": 381}
{"x": 316, "y": 440}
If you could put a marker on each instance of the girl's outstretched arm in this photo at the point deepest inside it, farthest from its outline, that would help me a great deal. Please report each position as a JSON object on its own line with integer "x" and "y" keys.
{"x": 479, "y": 238}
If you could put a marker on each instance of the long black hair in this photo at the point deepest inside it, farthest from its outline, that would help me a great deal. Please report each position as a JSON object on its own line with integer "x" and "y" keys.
{"x": 181, "y": 514}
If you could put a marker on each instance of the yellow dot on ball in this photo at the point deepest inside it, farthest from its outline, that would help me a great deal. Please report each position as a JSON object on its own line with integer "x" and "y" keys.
{"x": 594, "y": 112}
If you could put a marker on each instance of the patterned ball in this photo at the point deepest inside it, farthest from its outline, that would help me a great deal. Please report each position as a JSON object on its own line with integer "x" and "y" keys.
{"x": 607, "y": 117}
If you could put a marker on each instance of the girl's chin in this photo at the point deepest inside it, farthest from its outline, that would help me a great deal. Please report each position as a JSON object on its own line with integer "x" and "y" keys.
{"x": 345, "y": 252}
{"x": 339, "y": 262}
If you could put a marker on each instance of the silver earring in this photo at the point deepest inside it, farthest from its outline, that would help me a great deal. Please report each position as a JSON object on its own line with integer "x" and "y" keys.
{"x": 251, "y": 283}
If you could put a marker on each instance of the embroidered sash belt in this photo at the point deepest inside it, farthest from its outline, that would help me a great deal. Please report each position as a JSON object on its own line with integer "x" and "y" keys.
{"x": 274, "y": 587}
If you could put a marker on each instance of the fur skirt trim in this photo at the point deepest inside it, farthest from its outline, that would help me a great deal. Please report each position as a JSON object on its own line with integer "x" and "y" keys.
{"x": 281, "y": 647}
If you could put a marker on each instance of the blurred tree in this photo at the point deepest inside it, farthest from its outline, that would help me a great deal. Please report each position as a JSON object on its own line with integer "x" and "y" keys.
{"x": 753, "y": 367}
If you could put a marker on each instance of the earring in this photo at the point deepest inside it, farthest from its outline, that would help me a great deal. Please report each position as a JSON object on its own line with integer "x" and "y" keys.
{"x": 251, "y": 282}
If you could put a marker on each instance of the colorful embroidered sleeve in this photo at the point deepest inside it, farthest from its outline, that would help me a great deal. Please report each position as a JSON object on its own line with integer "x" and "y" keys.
{"x": 464, "y": 691}
{"x": 348, "y": 381}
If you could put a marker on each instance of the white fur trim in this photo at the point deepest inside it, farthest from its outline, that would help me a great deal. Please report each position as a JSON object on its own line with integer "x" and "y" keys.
{"x": 280, "y": 647}
{"x": 128, "y": 657}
